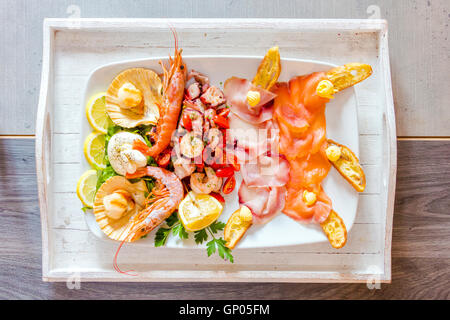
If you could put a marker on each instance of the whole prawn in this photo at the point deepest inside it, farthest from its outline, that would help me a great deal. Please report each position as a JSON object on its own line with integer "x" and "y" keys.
{"x": 161, "y": 202}
{"x": 173, "y": 91}
{"x": 164, "y": 199}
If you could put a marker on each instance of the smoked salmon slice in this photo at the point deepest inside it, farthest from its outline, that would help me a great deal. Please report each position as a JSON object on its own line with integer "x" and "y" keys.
{"x": 300, "y": 115}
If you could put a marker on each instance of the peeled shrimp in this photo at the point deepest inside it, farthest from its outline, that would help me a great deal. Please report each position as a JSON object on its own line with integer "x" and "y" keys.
{"x": 191, "y": 145}
{"x": 183, "y": 167}
{"x": 201, "y": 183}
{"x": 214, "y": 137}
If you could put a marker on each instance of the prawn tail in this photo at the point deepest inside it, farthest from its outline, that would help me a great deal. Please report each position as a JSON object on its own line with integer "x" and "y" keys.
{"x": 141, "y": 147}
{"x": 139, "y": 173}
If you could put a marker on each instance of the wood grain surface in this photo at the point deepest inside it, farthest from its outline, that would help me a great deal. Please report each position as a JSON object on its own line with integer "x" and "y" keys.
{"x": 421, "y": 240}
{"x": 418, "y": 34}
{"x": 419, "y": 52}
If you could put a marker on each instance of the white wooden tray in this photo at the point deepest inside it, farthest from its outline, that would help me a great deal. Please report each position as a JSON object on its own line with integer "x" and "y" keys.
{"x": 73, "y": 48}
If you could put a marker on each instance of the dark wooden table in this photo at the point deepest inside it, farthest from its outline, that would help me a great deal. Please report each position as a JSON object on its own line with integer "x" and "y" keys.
{"x": 421, "y": 234}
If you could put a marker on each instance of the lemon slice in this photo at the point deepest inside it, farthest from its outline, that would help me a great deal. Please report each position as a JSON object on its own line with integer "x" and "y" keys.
{"x": 86, "y": 187}
{"x": 197, "y": 211}
{"x": 96, "y": 113}
{"x": 94, "y": 150}
{"x": 237, "y": 225}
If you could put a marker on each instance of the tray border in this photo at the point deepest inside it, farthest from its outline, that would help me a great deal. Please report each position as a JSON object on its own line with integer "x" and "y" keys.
{"x": 43, "y": 143}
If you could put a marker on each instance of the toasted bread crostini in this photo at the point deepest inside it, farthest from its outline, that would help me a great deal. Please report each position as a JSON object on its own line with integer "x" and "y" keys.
{"x": 348, "y": 75}
{"x": 269, "y": 69}
{"x": 237, "y": 225}
{"x": 335, "y": 230}
{"x": 342, "y": 77}
{"x": 347, "y": 164}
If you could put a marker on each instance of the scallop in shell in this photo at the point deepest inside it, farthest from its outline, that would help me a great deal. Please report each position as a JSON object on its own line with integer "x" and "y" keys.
{"x": 133, "y": 97}
{"x": 119, "y": 228}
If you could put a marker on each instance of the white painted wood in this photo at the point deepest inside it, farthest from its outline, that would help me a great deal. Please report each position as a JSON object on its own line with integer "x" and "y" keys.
{"x": 389, "y": 151}
{"x": 418, "y": 41}
{"x": 43, "y": 137}
{"x": 71, "y": 53}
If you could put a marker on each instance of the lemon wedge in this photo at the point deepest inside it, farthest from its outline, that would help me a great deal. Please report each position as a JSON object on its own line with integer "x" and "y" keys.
{"x": 237, "y": 225}
{"x": 96, "y": 113}
{"x": 94, "y": 150}
{"x": 197, "y": 211}
{"x": 86, "y": 187}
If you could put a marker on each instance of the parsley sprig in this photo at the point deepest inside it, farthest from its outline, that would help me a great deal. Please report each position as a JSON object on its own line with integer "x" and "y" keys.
{"x": 86, "y": 208}
{"x": 219, "y": 243}
{"x": 216, "y": 243}
{"x": 175, "y": 227}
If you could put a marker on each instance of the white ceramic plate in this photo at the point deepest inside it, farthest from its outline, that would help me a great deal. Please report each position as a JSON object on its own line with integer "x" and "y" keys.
{"x": 342, "y": 126}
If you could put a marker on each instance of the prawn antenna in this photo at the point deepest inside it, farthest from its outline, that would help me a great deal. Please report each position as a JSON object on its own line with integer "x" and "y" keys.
{"x": 175, "y": 36}
{"x": 116, "y": 265}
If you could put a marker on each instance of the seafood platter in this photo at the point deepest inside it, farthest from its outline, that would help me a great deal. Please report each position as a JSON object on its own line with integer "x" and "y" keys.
{"x": 219, "y": 155}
